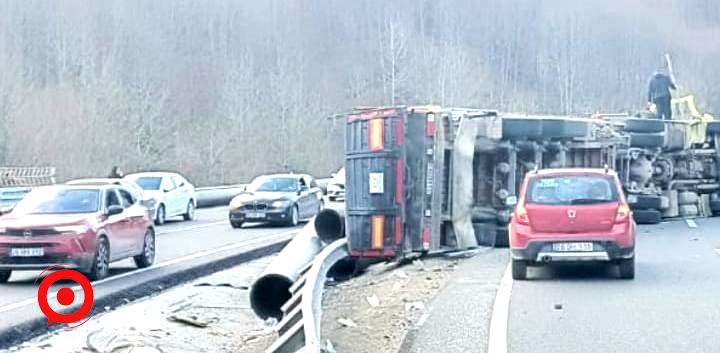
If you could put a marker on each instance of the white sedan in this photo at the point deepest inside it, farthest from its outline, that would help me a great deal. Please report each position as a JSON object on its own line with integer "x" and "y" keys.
{"x": 174, "y": 194}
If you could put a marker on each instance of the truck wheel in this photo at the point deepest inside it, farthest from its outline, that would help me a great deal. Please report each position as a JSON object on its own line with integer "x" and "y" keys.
{"x": 644, "y": 202}
{"x": 647, "y": 216}
{"x": 647, "y": 140}
{"x": 560, "y": 128}
{"x": 715, "y": 205}
{"x": 627, "y": 268}
{"x": 688, "y": 210}
{"x": 713, "y": 127}
{"x": 687, "y": 198}
{"x": 502, "y": 239}
{"x": 521, "y": 128}
{"x": 644, "y": 125}
{"x": 519, "y": 270}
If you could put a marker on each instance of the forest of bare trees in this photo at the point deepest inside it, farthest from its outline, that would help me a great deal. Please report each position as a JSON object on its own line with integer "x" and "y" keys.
{"x": 223, "y": 90}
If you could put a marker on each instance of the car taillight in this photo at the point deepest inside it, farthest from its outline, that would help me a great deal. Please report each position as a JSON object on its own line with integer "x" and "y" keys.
{"x": 623, "y": 214}
{"x": 521, "y": 215}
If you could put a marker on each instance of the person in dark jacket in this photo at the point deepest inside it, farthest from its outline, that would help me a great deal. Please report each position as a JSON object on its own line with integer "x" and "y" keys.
{"x": 116, "y": 172}
{"x": 659, "y": 94}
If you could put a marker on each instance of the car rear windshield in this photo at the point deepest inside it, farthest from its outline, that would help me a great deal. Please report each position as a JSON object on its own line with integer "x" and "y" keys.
{"x": 59, "y": 201}
{"x": 571, "y": 190}
{"x": 149, "y": 183}
{"x": 274, "y": 185}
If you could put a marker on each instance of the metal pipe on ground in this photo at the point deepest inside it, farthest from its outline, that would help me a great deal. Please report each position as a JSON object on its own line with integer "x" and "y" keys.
{"x": 330, "y": 225}
{"x": 272, "y": 289}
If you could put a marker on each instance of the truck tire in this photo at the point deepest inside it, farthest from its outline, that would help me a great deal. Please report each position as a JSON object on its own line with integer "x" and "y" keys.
{"x": 664, "y": 203}
{"x": 644, "y": 125}
{"x": 519, "y": 128}
{"x": 646, "y": 115}
{"x": 715, "y": 207}
{"x": 688, "y": 210}
{"x": 519, "y": 270}
{"x": 560, "y": 128}
{"x": 647, "y": 140}
{"x": 687, "y": 198}
{"x": 502, "y": 239}
{"x": 674, "y": 139}
{"x": 647, "y": 216}
{"x": 644, "y": 202}
{"x": 672, "y": 210}
{"x": 713, "y": 127}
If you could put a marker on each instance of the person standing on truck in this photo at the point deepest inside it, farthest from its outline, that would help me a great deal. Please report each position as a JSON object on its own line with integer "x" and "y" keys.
{"x": 116, "y": 172}
{"x": 659, "y": 94}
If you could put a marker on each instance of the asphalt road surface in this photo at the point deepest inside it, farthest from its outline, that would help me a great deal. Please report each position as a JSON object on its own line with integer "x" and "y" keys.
{"x": 673, "y": 305}
{"x": 209, "y": 230}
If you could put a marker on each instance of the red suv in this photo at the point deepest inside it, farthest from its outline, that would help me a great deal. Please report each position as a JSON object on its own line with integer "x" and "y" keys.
{"x": 78, "y": 227}
{"x": 572, "y": 215}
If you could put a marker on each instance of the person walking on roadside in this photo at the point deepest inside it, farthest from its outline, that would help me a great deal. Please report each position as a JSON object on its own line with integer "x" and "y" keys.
{"x": 659, "y": 94}
{"x": 116, "y": 172}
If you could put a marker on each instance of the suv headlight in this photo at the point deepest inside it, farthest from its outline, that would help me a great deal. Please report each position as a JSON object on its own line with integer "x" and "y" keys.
{"x": 71, "y": 229}
{"x": 236, "y": 203}
{"x": 281, "y": 203}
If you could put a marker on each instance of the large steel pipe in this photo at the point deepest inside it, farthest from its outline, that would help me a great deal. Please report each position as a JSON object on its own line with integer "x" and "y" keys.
{"x": 330, "y": 225}
{"x": 272, "y": 289}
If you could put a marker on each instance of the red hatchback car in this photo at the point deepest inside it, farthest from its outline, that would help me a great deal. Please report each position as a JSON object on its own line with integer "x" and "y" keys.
{"x": 78, "y": 227}
{"x": 572, "y": 215}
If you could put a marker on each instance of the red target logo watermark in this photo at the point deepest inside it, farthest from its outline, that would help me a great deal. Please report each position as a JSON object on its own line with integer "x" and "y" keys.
{"x": 65, "y": 297}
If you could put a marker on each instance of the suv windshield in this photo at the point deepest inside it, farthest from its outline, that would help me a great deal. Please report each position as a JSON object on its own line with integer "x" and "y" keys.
{"x": 149, "y": 183}
{"x": 280, "y": 184}
{"x": 571, "y": 190}
{"x": 59, "y": 201}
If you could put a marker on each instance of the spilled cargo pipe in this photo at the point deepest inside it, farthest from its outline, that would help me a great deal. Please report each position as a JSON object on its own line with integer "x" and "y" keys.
{"x": 272, "y": 289}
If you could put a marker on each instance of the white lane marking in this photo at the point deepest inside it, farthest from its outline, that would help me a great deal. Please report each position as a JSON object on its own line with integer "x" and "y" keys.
{"x": 422, "y": 320}
{"x": 154, "y": 267}
{"x": 691, "y": 223}
{"x": 197, "y": 226}
{"x": 497, "y": 340}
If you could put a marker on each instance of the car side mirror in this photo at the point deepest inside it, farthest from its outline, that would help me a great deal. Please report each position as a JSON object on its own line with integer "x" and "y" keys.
{"x": 114, "y": 210}
{"x": 182, "y": 183}
{"x": 511, "y": 201}
{"x": 166, "y": 190}
{"x": 333, "y": 175}
{"x": 5, "y": 210}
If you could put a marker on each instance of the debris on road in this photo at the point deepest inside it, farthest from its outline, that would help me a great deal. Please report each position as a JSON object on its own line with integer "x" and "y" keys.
{"x": 347, "y": 322}
{"x": 192, "y": 321}
{"x": 400, "y": 274}
{"x": 373, "y": 301}
{"x": 690, "y": 223}
{"x": 414, "y": 306}
{"x": 558, "y": 307}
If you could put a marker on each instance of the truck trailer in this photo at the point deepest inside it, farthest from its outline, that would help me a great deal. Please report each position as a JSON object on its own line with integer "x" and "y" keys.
{"x": 423, "y": 179}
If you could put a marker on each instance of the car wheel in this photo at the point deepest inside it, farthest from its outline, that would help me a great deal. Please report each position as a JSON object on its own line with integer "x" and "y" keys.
{"x": 5, "y": 275}
{"x": 519, "y": 270}
{"x": 644, "y": 125}
{"x": 101, "y": 262}
{"x": 627, "y": 268}
{"x": 647, "y": 216}
{"x": 190, "y": 213}
{"x": 147, "y": 257}
{"x": 160, "y": 219}
{"x": 647, "y": 140}
{"x": 294, "y": 217}
{"x": 236, "y": 225}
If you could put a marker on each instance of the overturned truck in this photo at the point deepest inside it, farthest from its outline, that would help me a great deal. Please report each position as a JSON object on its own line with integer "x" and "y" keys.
{"x": 426, "y": 179}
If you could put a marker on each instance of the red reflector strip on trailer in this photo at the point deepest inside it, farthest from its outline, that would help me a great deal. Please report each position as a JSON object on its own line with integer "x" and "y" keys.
{"x": 399, "y": 179}
{"x": 430, "y": 125}
{"x": 398, "y": 231}
{"x": 426, "y": 238}
{"x": 378, "y": 232}
{"x": 376, "y": 134}
{"x": 399, "y": 132}
{"x": 372, "y": 253}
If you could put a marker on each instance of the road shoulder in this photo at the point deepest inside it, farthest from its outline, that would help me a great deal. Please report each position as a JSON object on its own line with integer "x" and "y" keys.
{"x": 459, "y": 316}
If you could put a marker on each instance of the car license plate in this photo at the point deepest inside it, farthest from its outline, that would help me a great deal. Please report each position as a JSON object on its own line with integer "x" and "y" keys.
{"x": 573, "y": 247}
{"x": 256, "y": 215}
{"x": 27, "y": 252}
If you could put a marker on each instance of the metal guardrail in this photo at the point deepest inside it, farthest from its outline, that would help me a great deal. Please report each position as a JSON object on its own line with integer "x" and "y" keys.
{"x": 27, "y": 176}
{"x": 299, "y": 330}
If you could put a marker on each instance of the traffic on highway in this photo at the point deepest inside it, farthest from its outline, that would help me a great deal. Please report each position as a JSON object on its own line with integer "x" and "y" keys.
{"x": 368, "y": 177}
